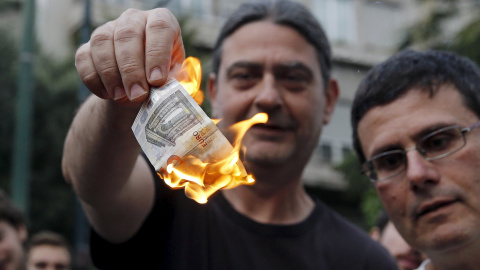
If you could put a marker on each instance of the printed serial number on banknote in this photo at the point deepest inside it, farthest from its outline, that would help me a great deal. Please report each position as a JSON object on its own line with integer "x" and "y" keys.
{"x": 170, "y": 126}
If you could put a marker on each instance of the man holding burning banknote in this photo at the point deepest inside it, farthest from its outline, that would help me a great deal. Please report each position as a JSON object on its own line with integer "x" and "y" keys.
{"x": 271, "y": 60}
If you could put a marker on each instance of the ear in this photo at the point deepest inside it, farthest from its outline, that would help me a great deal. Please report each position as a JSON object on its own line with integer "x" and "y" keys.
{"x": 212, "y": 91}
{"x": 375, "y": 233}
{"x": 22, "y": 233}
{"x": 331, "y": 97}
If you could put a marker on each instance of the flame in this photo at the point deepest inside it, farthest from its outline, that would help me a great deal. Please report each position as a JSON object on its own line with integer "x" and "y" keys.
{"x": 190, "y": 77}
{"x": 201, "y": 179}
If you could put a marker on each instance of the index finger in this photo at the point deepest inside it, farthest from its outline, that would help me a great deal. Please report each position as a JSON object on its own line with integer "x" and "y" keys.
{"x": 163, "y": 45}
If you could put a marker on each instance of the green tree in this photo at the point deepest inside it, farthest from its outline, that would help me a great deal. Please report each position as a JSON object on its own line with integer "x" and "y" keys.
{"x": 55, "y": 101}
{"x": 360, "y": 189}
{"x": 429, "y": 33}
{"x": 51, "y": 199}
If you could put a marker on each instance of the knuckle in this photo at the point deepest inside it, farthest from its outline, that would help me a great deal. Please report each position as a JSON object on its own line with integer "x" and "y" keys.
{"x": 109, "y": 71}
{"x": 89, "y": 77}
{"x": 130, "y": 26}
{"x": 162, "y": 19}
{"x": 82, "y": 54}
{"x": 102, "y": 34}
{"x": 130, "y": 12}
{"x": 126, "y": 32}
{"x": 157, "y": 52}
{"x": 129, "y": 68}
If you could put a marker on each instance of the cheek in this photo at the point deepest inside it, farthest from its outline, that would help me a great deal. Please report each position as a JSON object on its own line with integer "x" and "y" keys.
{"x": 393, "y": 198}
{"x": 465, "y": 174}
{"x": 306, "y": 108}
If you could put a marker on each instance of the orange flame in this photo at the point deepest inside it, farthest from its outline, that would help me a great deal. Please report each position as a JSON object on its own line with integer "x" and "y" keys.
{"x": 201, "y": 179}
{"x": 190, "y": 77}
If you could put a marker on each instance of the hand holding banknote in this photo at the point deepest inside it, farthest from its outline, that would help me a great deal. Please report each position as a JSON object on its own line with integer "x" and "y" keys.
{"x": 128, "y": 55}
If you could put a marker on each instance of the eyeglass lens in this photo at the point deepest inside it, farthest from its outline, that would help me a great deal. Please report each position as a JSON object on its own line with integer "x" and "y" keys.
{"x": 435, "y": 145}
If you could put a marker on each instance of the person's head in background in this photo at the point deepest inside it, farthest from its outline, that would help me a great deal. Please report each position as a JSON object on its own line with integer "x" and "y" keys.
{"x": 386, "y": 234}
{"x": 13, "y": 234}
{"x": 48, "y": 251}
{"x": 415, "y": 119}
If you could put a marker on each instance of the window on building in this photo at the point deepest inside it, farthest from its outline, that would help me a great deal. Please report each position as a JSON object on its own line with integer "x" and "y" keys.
{"x": 338, "y": 19}
{"x": 325, "y": 151}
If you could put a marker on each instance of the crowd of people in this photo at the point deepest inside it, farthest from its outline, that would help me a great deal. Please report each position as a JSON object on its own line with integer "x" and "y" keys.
{"x": 414, "y": 119}
{"x": 45, "y": 250}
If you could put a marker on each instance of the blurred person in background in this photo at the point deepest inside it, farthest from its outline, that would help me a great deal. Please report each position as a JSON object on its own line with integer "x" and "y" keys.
{"x": 13, "y": 234}
{"x": 386, "y": 234}
{"x": 48, "y": 251}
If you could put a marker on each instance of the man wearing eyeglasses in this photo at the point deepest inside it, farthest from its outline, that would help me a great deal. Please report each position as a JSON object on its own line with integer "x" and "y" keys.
{"x": 415, "y": 119}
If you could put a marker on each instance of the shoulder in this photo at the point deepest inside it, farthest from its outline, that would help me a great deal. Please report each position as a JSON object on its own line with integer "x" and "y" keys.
{"x": 346, "y": 240}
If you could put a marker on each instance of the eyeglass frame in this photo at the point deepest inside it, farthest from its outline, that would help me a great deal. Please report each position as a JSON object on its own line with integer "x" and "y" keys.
{"x": 368, "y": 164}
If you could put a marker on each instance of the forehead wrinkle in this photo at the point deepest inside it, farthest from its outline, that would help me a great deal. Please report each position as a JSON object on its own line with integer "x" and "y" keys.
{"x": 264, "y": 50}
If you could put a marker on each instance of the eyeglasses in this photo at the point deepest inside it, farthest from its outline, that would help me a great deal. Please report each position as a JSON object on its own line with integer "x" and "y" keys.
{"x": 436, "y": 145}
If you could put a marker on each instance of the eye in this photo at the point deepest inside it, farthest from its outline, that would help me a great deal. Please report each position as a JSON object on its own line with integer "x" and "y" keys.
{"x": 441, "y": 141}
{"x": 388, "y": 162}
{"x": 293, "y": 79}
{"x": 244, "y": 78}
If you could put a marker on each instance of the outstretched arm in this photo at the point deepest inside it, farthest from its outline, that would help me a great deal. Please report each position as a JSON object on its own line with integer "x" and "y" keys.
{"x": 101, "y": 156}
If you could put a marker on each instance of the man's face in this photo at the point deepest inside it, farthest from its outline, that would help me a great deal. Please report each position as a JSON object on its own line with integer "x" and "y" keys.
{"x": 407, "y": 258}
{"x": 11, "y": 250}
{"x": 435, "y": 205}
{"x": 272, "y": 69}
{"x": 48, "y": 257}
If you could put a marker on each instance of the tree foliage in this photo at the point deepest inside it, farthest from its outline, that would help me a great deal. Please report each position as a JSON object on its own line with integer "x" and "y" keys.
{"x": 51, "y": 199}
{"x": 429, "y": 32}
{"x": 360, "y": 189}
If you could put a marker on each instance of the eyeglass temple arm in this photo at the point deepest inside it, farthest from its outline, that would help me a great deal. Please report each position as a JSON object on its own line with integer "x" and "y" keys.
{"x": 473, "y": 126}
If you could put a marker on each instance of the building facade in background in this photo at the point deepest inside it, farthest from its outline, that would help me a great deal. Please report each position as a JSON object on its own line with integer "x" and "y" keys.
{"x": 362, "y": 33}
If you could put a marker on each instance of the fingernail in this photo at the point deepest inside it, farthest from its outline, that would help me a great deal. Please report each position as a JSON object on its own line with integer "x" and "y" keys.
{"x": 136, "y": 91}
{"x": 118, "y": 93}
{"x": 156, "y": 75}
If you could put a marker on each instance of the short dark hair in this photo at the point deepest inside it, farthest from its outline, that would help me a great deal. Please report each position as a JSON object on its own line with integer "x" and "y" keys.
{"x": 48, "y": 238}
{"x": 427, "y": 70}
{"x": 281, "y": 12}
{"x": 9, "y": 212}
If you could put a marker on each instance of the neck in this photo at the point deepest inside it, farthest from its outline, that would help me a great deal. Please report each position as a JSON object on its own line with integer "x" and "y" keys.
{"x": 275, "y": 200}
{"x": 465, "y": 258}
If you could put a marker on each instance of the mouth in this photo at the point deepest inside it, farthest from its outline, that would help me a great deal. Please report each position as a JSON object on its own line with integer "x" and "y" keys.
{"x": 434, "y": 206}
{"x": 275, "y": 125}
{"x": 270, "y": 130}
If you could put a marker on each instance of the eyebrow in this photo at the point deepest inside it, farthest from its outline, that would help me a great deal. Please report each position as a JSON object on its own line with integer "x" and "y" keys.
{"x": 281, "y": 66}
{"x": 243, "y": 64}
{"x": 386, "y": 148}
{"x": 294, "y": 65}
{"x": 431, "y": 129}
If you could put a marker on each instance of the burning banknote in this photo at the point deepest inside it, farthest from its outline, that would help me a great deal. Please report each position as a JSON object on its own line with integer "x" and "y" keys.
{"x": 184, "y": 144}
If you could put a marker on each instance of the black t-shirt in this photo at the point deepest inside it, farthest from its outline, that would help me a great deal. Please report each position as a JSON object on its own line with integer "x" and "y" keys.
{"x": 182, "y": 234}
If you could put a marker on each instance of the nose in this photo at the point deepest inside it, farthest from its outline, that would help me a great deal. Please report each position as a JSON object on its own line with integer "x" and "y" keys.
{"x": 268, "y": 96}
{"x": 420, "y": 172}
